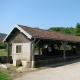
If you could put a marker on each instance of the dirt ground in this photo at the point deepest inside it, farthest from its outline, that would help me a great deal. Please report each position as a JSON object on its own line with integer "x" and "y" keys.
{"x": 61, "y": 71}
{"x": 65, "y": 72}
{"x": 15, "y": 72}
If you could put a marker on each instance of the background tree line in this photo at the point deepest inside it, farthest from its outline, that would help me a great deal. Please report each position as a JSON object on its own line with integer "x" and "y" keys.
{"x": 2, "y": 44}
{"x": 67, "y": 30}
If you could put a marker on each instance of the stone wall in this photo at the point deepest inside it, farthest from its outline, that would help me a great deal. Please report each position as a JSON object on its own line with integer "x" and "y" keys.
{"x": 24, "y": 56}
{"x": 41, "y": 63}
{"x": 3, "y": 59}
{"x": 25, "y": 51}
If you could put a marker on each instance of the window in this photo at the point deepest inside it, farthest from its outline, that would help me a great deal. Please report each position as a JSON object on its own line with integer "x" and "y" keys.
{"x": 18, "y": 48}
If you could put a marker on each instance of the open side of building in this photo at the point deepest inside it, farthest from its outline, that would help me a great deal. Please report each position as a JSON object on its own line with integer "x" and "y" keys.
{"x": 34, "y": 47}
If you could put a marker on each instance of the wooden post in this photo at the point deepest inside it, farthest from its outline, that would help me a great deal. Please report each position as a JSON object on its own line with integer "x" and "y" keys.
{"x": 58, "y": 48}
{"x": 72, "y": 48}
{"x": 64, "y": 51}
{"x": 33, "y": 56}
{"x": 33, "y": 44}
{"x": 8, "y": 51}
{"x": 39, "y": 50}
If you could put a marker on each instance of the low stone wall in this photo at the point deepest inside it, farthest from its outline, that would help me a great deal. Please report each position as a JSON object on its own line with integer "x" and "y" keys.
{"x": 41, "y": 63}
{"x": 3, "y": 59}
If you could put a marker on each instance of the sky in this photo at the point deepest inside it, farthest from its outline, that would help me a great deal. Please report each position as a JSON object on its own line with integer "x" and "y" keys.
{"x": 38, "y": 13}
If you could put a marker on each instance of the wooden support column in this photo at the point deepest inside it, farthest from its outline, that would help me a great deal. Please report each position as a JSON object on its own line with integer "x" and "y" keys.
{"x": 32, "y": 58}
{"x": 39, "y": 50}
{"x": 38, "y": 46}
{"x": 58, "y": 47}
{"x": 32, "y": 55}
{"x": 64, "y": 51}
{"x": 72, "y": 48}
{"x": 8, "y": 51}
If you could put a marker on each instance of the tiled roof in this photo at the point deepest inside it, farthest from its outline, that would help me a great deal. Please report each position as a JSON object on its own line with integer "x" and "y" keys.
{"x": 39, "y": 33}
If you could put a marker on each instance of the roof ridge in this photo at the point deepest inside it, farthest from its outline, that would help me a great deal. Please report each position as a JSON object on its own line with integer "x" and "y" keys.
{"x": 30, "y": 27}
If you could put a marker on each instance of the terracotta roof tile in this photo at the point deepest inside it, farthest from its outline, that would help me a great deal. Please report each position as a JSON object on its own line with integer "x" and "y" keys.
{"x": 35, "y": 32}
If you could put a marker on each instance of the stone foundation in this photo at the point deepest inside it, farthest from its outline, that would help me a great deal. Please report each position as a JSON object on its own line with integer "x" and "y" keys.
{"x": 40, "y": 63}
{"x": 21, "y": 62}
{"x": 16, "y": 62}
{"x": 25, "y": 63}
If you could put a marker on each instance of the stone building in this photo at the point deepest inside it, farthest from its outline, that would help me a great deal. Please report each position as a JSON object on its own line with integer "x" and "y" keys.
{"x": 26, "y": 40}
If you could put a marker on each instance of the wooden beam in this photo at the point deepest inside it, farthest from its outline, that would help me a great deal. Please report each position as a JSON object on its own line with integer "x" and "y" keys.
{"x": 39, "y": 50}
{"x": 37, "y": 42}
{"x": 32, "y": 54}
{"x": 64, "y": 47}
{"x": 8, "y": 51}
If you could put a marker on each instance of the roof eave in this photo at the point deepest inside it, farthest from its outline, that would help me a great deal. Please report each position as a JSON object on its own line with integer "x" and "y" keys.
{"x": 24, "y": 32}
{"x": 21, "y": 30}
{"x": 57, "y": 39}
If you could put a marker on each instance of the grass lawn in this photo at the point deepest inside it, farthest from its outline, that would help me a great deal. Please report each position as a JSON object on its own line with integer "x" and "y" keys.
{"x": 3, "y": 52}
{"x": 4, "y": 76}
{"x": 8, "y": 74}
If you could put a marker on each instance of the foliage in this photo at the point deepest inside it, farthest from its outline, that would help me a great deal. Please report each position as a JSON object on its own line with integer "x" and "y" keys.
{"x": 2, "y": 45}
{"x": 67, "y": 30}
{"x": 78, "y": 29}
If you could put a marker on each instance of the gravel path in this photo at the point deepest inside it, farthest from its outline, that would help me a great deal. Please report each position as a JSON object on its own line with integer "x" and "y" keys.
{"x": 66, "y": 72}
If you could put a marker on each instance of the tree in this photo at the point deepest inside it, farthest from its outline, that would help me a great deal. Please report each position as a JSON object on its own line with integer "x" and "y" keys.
{"x": 65, "y": 30}
{"x": 78, "y": 29}
{"x": 57, "y": 29}
{"x": 2, "y": 45}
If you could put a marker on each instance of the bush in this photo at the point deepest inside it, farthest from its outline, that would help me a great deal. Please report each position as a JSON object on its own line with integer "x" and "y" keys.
{"x": 2, "y": 45}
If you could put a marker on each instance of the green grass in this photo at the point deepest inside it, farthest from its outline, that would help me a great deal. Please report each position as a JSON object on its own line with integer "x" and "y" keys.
{"x": 3, "y": 52}
{"x": 4, "y": 76}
